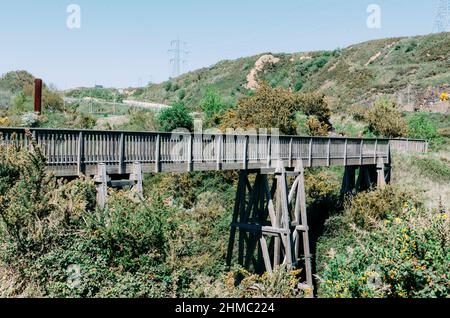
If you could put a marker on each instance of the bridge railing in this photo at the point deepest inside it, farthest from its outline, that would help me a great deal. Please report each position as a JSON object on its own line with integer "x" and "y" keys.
{"x": 72, "y": 152}
{"x": 409, "y": 145}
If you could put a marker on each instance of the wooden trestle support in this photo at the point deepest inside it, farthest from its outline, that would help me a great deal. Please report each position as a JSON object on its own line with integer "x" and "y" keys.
{"x": 271, "y": 223}
{"x": 368, "y": 177}
{"x": 103, "y": 181}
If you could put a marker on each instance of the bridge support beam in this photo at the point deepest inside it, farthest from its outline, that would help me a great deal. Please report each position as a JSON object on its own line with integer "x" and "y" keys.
{"x": 270, "y": 221}
{"x": 136, "y": 179}
{"x": 381, "y": 174}
{"x": 368, "y": 177}
{"x": 349, "y": 182}
{"x": 103, "y": 181}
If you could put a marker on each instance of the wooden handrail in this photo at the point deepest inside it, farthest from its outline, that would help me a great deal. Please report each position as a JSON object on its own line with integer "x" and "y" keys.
{"x": 72, "y": 152}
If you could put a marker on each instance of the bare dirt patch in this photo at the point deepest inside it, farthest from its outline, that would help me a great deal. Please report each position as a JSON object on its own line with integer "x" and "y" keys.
{"x": 252, "y": 82}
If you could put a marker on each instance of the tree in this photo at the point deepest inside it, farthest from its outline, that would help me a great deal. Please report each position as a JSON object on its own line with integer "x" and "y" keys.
{"x": 266, "y": 108}
{"x": 317, "y": 110}
{"x": 175, "y": 117}
{"x": 386, "y": 120}
{"x": 212, "y": 104}
{"x": 277, "y": 108}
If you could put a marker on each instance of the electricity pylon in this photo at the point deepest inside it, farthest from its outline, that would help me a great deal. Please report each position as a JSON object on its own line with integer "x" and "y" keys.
{"x": 178, "y": 56}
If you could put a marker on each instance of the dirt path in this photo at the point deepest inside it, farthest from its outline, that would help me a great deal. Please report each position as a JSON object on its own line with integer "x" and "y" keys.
{"x": 252, "y": 82}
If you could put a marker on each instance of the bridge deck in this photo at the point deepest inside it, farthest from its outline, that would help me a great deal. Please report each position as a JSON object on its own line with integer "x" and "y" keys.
{"x": 76, "y": 152}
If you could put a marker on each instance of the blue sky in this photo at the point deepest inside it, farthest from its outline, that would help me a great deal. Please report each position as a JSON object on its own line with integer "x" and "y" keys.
{"x": 125, "y": 43}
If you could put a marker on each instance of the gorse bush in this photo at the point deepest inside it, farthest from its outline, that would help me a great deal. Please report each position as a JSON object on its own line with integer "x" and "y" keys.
{"x": 406, "y": 256}
{"x": 48, "y": 226}
{"x": 366, "y": 209}
{"x": 277, "y": 108}
{"x": 266, "y": 108}
{"x": 385, "y": 120}
{"x": 55, "y": 238}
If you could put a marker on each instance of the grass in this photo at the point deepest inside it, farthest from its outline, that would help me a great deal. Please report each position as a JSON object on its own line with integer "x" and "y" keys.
{"x": 427, "y": 174}
{"x": 436, "y": 169}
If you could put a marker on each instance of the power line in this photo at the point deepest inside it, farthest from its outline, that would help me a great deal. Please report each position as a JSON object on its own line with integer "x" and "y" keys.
{"x": 442, "y": 20}
{"x": 179, "y": 55}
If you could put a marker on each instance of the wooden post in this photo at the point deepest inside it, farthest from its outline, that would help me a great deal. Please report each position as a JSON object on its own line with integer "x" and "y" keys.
{"x": 376, "y": 152}
{"x": 310, "y": 152}
{"x": 291, "y": 159}
{"x": 80, "y": 154}
{"x": 329, "y": 153}
{"x": 219, "y": 151}
{"x": 101, "y": 181}
{"x": 361, "y": 153}
{"x": 245, "y": 165}
{"x": 381, "y": 177}
{"x": 136, "y": 176}
{"x": 158, "y": 154}
{"x": 190, "y": 153}
{"x": 121, "y": 153}
{"x": 269, "y": 152}
{"x": 345, "y": 152}
{"x": 302, "y": 216}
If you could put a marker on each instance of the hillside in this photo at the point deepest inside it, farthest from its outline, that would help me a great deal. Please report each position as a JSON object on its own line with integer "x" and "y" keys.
{"x": 414, "y": 71}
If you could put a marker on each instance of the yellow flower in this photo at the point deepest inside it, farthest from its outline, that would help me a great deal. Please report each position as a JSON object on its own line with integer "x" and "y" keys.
{"x": 398, "y": 221}
{"x": 444, "y": 97}
{"x": 445, "y": 216}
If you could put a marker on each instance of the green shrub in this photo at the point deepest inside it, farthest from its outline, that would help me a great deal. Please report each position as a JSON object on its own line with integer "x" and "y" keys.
{"x": 298, "y": 85}
{"x": 212, "y": 105}
{"x": 385, "y": 120}
{"x": 175, "y": 117}
{"x": 83, "y": 121}
{"x": 168, "y": 86}
{"x": 367, "y": 208}
{"x": 405, "y": 256}
{"x": 20, "y": 103}
{"x": 141, "y": 120}
{"x": 181, "y": 94}
{"x": 421, "y": 127}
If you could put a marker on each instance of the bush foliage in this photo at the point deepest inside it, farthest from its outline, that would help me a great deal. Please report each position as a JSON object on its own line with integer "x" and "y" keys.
{"x": 277, "y": 108}
{"x": 175, "y": 117}
{"x": 407, "y": 256}
{"x": 385, "y": 120}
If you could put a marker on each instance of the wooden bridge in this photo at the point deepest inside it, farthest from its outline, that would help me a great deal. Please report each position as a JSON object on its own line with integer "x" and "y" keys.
{"x": 269, "y": 219}
{"x": 76, "y": 152}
